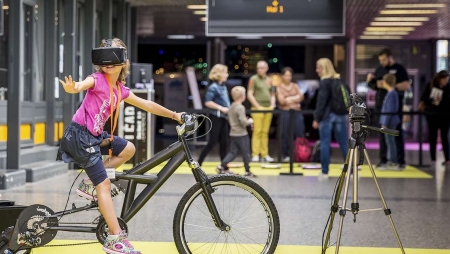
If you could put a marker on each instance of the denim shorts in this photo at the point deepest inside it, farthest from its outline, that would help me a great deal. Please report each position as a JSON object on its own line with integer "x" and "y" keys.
{"x": 80, "y": 146}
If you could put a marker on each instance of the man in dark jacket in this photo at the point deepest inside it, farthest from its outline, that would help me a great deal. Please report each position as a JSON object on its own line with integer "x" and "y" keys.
{"x": 389, "y": 66}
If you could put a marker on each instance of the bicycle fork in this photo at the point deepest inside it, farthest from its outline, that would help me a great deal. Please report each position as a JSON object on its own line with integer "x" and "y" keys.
{"x": 207, "y": 191}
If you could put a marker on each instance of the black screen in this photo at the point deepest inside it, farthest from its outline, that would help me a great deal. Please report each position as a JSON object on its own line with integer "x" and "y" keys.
{"x": 275, "y": 17}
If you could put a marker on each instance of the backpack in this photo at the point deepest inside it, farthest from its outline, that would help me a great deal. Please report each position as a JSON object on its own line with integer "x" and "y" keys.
{"x": 302, "y": 150}
{"x": 340, "y": 98}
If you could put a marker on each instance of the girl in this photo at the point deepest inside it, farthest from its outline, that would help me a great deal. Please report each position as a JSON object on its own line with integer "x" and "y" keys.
{"x": 435, "y": 104}
{"x": 289, "y": 97}
{"x": 82, "y": 138}
{"x": 218, "y": 102}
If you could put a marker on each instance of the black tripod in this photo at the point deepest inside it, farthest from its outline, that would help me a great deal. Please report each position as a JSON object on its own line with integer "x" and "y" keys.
{"x": 355, "y": 156}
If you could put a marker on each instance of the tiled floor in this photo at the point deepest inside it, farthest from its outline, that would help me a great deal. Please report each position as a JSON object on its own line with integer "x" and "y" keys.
{"x": 418, "y": 198}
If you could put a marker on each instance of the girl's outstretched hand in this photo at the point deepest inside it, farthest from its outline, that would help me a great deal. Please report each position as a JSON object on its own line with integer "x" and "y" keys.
{"x": 69, "y": 85}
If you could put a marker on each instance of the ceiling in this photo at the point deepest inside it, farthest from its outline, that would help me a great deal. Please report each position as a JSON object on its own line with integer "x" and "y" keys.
{"x": 159, "y": 18}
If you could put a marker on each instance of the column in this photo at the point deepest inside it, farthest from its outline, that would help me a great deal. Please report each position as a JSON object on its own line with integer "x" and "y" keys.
{"x": 132, "y": 47}
{"x": 15, "y": 82}
{"x": 89, "y": 38}
{"x": 121, "y": 20}
{"x": 107, "y": 19}
{"x": 51, "y": 60}
{"x": 351, "y": 57}
{"x": 70, "y": 68}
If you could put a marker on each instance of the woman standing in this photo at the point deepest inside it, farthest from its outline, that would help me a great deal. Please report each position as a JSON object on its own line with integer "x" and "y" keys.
{"x": 436, "y": 99}
{"x": 289, "y": 98}
{"x": 325, "y": 119}
{"x": 217, "y": 101}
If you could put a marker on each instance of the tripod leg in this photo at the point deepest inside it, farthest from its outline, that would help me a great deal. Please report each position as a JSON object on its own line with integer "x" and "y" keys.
{"x": 355, "y": 204}
{"x": 343, "y": 210}
{"x": 335, "y": 206}
{"x": 387, "y": 211}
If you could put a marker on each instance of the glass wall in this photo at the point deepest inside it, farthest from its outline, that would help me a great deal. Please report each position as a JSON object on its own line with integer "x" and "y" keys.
{"x": 442, "y": 56}
{"x": 38, "y": 50}
{"x": 4, "y": 54}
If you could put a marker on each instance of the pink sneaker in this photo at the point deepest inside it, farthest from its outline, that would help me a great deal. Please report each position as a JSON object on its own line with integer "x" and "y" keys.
{"x": 119, "y": 244}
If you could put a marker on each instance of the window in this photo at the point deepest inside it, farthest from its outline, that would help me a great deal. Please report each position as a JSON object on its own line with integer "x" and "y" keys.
{"x": 27, "y": 90}
{"x": 4, "y": 56}
{"x": 38, "y": 50}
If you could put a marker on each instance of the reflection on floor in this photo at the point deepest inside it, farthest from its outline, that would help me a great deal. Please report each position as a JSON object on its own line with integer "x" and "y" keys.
{"x": 169, "y": 248}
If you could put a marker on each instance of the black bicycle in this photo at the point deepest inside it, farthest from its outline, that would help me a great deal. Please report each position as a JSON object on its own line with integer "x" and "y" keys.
{"x": 219, "y": 213}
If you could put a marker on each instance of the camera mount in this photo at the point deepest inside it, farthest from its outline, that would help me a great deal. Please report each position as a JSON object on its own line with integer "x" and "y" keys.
{"x": 355, "y": 156}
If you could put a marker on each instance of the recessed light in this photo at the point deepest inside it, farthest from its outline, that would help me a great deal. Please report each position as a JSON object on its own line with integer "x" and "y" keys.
{"x": 370, "y": 37}
{"x": 394, "y": 19}
{"x": 398, "y": 6}
{"x": 385, "y": 33}
{"x": 390, "y": 12}
{"x": 249, "y": 37}
{"x": 6, "y": 7}
{"x": 180, "y": 36}
{"x": 409, "y": 23}
{"x": 200, "y": 12}
{"x": 382, "y": 28}
{"x": 203, "y": 18}
{"x": 319, "y": 37}
{"x": 197, "y": 7}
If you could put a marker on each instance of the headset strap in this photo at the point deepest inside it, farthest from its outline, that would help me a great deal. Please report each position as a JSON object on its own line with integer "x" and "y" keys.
{"x": 114, "y": 117}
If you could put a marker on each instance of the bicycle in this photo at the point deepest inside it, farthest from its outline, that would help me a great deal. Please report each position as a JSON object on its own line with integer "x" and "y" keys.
{"x": 193, "y": 227}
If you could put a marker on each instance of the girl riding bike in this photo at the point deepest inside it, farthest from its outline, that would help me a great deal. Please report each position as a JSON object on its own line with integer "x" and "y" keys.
{"x": 83, "y": 137}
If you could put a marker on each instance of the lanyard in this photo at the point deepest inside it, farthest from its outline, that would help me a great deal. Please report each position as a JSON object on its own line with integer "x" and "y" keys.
{"x": 114, "y": 117}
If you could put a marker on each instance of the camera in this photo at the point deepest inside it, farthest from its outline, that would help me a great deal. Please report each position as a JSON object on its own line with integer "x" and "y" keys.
{"x": 357, "y": 112}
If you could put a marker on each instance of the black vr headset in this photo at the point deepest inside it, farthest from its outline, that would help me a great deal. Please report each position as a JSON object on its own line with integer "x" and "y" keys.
{"x": 109, "y": 55}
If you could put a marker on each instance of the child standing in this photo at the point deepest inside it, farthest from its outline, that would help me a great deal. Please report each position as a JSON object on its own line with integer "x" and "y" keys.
{"x": 82, "y": 138}
{"x": 390, "y": 105}
{"x": 240, "y": 143}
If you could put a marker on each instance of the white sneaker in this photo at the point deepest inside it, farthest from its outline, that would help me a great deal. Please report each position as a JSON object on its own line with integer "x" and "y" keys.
{"x": 268, "y": 159}
{"x": 322, "y": 177}
{"x": 286, "y": 159}
{"x": 255, "y": 158}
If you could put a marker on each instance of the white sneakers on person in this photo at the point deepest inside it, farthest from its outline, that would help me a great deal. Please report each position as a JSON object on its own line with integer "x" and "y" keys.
{"x": 286, "y": 159}
{"x": 268, "y": 159}
{"x": 322, "y": 177}
{"x": 255, "y": 158}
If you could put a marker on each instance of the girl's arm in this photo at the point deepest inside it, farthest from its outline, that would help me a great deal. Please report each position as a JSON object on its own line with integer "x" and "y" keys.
{"x": 73, "y": 87}
{"x": 152, "y": 107}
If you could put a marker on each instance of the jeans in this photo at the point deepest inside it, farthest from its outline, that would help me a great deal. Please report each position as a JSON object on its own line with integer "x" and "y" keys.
{"x": 239, "y": 145}
{"x": 337, "y": 123}
{"x": 298, "y": 124}
{"x": 391, "y": 146}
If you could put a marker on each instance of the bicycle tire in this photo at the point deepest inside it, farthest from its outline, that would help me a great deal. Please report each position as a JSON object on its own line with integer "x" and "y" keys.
{"x": 218, "y": 180}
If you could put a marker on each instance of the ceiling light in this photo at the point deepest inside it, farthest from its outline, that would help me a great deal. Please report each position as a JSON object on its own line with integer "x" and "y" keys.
{"x": 396, "y": 23}
{"x": 370, "y": 37}
{"x": 398, "y": 6}
{"x": 203, "y": 18}
{"x": 390, "y": 12}
{"x": 200, "y": 12}
{"x": 383, "y": 28}
{"x": 385, "y": 33}
{"x": 319, "y": 37}
{"x": 6, "y": 7}
{"x": 180, "y": 36}
{"x": 249, "y": 37}
{"x": 394, "y": 19}
{"x": 197, "y": 7}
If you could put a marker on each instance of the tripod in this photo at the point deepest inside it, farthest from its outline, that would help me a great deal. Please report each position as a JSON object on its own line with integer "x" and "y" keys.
{"x": 355, "y": 156}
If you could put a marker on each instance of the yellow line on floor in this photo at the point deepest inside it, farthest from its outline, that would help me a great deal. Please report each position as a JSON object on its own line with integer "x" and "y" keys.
{"x": 169, "y": 248}
{"x": 335, "y": 170}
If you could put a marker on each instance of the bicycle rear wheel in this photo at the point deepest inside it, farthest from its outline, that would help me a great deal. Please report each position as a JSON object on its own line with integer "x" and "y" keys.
{"x": 242, "y": 204}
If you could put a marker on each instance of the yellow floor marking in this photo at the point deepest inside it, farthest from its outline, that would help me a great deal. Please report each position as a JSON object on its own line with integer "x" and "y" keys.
{"x": 335, "y": 170}
{"x": 169, "y": 248}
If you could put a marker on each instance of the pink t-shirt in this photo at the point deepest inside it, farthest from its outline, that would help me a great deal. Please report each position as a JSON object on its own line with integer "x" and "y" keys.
{"x": 95, "y": 108}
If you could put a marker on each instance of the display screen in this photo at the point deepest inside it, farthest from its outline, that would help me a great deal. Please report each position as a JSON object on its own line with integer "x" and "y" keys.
{"x": 275, "y": 17}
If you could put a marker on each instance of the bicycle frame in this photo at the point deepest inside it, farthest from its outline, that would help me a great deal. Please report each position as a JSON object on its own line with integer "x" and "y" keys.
{"x": 131, "y": 178}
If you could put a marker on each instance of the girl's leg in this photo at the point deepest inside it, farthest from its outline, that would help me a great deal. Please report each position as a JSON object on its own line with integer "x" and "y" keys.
{"x": 126, "y": 154}
{"x": 106, "y": 206}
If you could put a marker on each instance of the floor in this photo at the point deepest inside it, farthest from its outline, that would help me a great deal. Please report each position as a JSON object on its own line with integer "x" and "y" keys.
{"x": 418, "y": 197}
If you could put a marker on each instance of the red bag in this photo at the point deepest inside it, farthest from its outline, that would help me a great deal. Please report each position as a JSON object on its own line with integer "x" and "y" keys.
{"x": 302, "y": 150}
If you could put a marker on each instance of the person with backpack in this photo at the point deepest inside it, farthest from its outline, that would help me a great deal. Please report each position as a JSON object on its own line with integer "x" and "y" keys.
{"x": 289, "y": 97}
{"x": 333, "y": 101}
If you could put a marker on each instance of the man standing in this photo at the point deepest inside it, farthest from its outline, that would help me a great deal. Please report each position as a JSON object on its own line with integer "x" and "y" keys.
{"x": 389, "y": 66}
{"x": 261, "y": 95}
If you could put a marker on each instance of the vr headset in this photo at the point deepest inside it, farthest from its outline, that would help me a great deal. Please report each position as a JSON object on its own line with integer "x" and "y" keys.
{"x": 109, "y": 55}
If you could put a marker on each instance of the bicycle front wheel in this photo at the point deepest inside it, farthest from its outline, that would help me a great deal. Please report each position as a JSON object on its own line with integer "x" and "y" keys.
{"x": 242, "y": 204}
